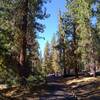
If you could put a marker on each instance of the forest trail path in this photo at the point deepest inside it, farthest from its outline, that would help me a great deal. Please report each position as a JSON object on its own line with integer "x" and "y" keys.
{"x": 59, "y": 88}
{"x": 55, "y": 89}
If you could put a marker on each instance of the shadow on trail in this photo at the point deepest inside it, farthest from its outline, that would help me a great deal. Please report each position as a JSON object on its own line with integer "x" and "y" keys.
{"x": 89, "y": 91}
{"x": 55, "y": 90}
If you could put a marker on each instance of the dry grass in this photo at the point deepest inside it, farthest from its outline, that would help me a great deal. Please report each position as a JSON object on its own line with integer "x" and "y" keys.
{"x": 85, "y": 88}
{"x": 82, "y": 80}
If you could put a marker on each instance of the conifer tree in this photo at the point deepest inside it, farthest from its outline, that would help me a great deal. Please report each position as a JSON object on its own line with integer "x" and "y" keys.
{"x": 47, "y": 59}
{"x": 84, "y": 32}
{"x": 62, "y": 44}
{"x": 21, "y": 18}
{"x": 54, "y": 55}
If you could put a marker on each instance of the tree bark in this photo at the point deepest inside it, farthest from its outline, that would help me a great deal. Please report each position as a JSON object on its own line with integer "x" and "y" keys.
{"x": 74, "y": 50}
{"x": 68, "y": 70}
{"x": 22, "y": 54}
{"x": 65, "y": 73}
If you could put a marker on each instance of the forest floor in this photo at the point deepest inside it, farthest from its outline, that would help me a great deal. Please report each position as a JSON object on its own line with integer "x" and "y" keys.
{"x": 58, "y": 88}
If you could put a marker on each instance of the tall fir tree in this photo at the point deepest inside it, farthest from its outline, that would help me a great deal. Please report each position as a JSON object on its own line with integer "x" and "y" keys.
{"x": 55, "y": 56}
{"x": 47, "y": 59}
{"x": 20, "y": 17}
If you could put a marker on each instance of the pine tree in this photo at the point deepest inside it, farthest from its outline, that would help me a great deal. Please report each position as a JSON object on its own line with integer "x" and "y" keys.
{"x": 84, "y": 33}
{"x": 22, "y": 18}
{"x": 47, "y": 58}
{"x": 97, "y": 30}
{"x": 54, "y": 55}
{"x": 7, "y": 72}
{"x": 62, "y": 44}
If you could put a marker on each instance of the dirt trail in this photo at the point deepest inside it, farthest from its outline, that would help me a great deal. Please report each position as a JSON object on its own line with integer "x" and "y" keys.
{"x": 56, "y": 90}
{"x": 59, "y": 88}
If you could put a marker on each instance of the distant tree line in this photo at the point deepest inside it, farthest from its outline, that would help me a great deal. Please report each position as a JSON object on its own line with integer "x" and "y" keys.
{"x": 78, "y": 38}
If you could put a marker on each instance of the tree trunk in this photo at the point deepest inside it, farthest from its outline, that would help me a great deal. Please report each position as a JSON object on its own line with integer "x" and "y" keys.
{"x": 74, "y": 50}
{"x": 76, "y": 71}
{"x": 68, "y": 70}
{"x": 22, "y": 54}
{"x": 65, "y": 73}
{"x": 94, "y": 62}
{"x": 94, "y": 72}
{"x": 93, "y": 69}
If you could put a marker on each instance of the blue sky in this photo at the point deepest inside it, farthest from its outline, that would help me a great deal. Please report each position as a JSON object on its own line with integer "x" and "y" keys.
{"x": 51, "y": 23}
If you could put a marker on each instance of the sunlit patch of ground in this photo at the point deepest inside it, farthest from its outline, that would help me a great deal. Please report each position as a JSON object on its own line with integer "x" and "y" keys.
{"x": 3, "y": 86}
{"x": 82, "y": 80}
{"x": 86, "y": 88}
